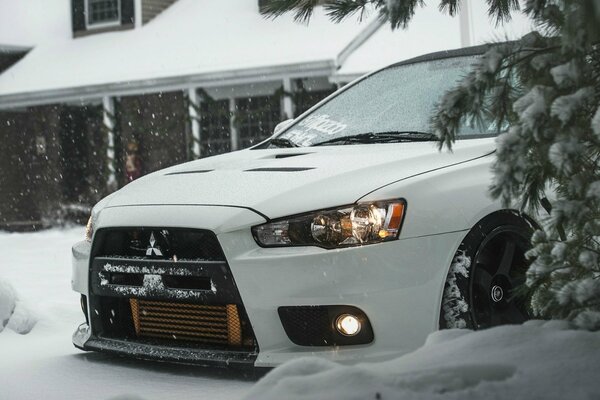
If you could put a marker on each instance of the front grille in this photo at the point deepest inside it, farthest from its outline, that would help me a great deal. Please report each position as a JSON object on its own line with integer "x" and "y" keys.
{"x": 166, "y": 287}
{"x": 187, "y": 322}
{"x": 158, "y": 244}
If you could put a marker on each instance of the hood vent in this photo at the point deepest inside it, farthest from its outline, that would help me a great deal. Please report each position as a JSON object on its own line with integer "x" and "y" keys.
{"x": 280, "y": 169}
{"x": 200, "y": 171}
{"x": 288, "y": 155}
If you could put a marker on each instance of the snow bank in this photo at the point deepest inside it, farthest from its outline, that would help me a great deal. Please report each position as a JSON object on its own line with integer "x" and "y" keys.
{"x": 13, "y": 313}
{"x": 537, "y": 360}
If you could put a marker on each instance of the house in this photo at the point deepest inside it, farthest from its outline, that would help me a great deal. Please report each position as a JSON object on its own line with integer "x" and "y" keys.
{"x": 83, "y": 81}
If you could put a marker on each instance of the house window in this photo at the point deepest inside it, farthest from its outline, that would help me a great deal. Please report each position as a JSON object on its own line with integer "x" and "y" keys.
{"x": 103, "y": 12}
{"x": 215, "y": 127}
{"x": 256, "y": 118}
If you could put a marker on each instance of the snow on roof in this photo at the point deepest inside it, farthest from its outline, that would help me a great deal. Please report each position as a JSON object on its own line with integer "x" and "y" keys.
{"x": 26, "y": 23}
{"x": 192, "y": 38}
{"x": 429, "y": 31}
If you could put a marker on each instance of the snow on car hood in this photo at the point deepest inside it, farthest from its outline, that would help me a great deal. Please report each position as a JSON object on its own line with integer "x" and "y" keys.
{"x": 281, "y": 182}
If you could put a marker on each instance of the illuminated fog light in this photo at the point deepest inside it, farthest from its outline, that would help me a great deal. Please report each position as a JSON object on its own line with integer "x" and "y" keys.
{"x": 347, "y": 325}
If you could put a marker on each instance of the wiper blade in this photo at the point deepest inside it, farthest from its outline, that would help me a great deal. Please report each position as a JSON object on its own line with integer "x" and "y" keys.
{"x": 383, "y": 137}
{"x": 282, "y": 142}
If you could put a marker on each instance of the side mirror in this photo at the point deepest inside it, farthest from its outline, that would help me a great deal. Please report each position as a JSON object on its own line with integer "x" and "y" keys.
{"x": 282, "y": 125}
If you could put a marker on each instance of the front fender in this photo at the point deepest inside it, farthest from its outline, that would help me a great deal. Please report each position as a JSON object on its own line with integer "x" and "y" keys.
{"x": 446, "y": 200}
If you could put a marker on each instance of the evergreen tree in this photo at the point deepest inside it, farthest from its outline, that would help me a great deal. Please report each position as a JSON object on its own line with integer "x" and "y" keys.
{"x": 545, "y": 88}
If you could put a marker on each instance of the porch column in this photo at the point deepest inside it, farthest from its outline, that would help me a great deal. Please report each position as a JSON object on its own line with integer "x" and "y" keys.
{"x": 137, "y": 9}
{"x": 464, "y": 19}
{"x": 232, "y": 127}
{"x": 109, "y": 120}
{"x": 194, "y": 111}
{"x": 288, "y": 104}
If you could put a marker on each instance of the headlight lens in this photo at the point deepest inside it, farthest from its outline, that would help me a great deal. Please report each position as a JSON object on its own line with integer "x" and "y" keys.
{"x": 89, "y": 230}
{"x": 355, "y": 225}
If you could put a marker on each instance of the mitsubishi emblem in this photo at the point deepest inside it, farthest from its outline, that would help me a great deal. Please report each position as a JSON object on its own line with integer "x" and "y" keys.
{"x": 151, "y": 250}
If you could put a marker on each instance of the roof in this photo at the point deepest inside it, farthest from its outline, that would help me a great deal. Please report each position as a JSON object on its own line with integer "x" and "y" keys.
{"x": 429, "y": 31}
{"x": 209, "y": 43}
{"x": 193, "y": 42}
{"x": 26, "y": 23}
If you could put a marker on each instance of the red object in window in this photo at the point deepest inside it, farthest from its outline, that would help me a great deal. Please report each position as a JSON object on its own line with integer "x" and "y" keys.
{"x": 133, "y": 163}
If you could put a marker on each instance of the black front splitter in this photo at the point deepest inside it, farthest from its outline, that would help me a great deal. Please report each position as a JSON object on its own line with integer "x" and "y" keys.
{"x": 179, "y": 355}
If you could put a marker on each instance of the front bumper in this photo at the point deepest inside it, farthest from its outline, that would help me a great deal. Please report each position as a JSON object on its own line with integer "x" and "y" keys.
{"x": 397, "y": 284}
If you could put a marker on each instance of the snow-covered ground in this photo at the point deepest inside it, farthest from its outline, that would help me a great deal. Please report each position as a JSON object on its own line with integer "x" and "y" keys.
{"x": 535, "y": 361}
{"x": 539, "y": 360}
{"x": 44, "y": 364}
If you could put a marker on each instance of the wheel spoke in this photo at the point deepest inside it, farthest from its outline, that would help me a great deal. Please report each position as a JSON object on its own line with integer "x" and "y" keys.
{"x": 496, "y": 319}
{"x": 514, "y": 314}
{"x": 484, "y": 279}
{"x": 485, "y": 259}
{"x": 508, "y": 256}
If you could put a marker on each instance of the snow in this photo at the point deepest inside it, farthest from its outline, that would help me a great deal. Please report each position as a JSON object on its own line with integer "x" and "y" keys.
{"x": 565, "y": 74}
{"x": 455, "y": 305}
{"x": 596, "y": 122}
{"x": 539, "y": 360}
{"x": 564, "y": 107}
{"x": 26, "y": 23}
{"x": 13, "y": 313}
{"x": 44, "y": 363}
{"x": 532, "y": 106}
{"x": 7, "y": 303}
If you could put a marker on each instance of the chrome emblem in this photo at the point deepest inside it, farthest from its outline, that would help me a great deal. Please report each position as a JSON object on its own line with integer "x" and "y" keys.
{"x": 497, "y": 293}
{"x": 152, "y": 250}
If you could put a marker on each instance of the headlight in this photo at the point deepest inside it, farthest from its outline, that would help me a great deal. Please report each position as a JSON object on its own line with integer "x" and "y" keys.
{"x": 89, "y": 230}
{"x": 355, "y": 225}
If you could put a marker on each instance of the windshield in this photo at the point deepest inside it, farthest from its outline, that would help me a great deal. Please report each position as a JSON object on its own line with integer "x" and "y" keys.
{"x": 397, "y": 100}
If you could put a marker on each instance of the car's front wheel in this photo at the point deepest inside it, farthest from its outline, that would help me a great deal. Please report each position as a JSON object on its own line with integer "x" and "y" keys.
{"x": 482, "y": 287}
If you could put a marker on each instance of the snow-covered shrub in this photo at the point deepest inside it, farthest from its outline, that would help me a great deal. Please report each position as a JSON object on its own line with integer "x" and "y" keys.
{"x": 7, "y": 303}
{"x": 13, "y": 314}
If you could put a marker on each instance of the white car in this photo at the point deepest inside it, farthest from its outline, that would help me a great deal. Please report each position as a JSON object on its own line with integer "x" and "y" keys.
{"x": 346, "y": 235}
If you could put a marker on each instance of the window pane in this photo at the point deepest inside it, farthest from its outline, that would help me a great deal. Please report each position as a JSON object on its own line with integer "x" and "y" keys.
{"x": 256, "y": 118}
{"x": 101, "y": 11}
{"x": 215, "y": 136}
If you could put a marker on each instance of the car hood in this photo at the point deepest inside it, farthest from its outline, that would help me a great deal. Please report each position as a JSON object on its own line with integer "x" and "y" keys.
{"x": 280, "y": 182}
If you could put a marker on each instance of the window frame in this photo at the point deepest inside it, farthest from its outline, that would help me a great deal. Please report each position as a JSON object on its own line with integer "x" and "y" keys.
{"x": 99, "y": 25}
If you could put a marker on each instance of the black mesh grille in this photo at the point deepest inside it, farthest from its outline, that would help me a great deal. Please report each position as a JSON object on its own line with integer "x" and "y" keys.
{"x": 315, "y": 325}
{"x": 159, "y": 243}
{"x": 307, "y": 325}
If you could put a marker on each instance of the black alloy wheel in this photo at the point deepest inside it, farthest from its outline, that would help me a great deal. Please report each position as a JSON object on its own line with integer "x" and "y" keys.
{"x": 492, "y": 291}
{"x": 498, "y": 269}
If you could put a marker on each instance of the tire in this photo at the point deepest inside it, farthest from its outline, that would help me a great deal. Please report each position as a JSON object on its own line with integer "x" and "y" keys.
{"x": 484, "y": 283}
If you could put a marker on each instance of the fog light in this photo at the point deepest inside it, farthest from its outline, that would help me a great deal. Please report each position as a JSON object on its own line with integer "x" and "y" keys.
{"x": 347, "y": 325}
